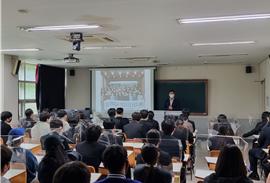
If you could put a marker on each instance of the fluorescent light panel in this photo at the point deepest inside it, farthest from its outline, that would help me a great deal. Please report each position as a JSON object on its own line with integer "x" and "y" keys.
{"x": 223, "y": 55}
{"x": 107, "y": 47}
{"x": 59, "y": 27}
{"x": 19, "y": 49}
{"x": 224, "y": 18}
{"x": 223, "y": 43}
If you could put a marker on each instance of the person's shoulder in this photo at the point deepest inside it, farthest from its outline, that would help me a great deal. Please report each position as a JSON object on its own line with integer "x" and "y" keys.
{"x": 210, "y": 178}
{"x": 164, "y": 173}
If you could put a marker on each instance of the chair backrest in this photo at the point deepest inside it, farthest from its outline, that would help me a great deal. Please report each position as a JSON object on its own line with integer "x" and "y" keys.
{"x": 91, "y": 169}
{"x": 214, "y": 153}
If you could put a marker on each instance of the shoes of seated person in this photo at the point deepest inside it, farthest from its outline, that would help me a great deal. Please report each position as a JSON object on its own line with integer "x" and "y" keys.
{"x": 254, "y": 176}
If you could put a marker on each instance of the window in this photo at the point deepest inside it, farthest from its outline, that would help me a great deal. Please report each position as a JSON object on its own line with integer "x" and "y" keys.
{"x": 27, "y": 88}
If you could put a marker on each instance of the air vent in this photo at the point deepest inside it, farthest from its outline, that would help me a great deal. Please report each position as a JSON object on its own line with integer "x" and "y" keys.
{"x": 92, "y": 39}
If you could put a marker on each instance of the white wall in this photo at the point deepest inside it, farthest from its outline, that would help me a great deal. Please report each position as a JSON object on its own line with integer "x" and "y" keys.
{"x": 78, "y": 89}
{"x": 230, "y": 89}
{"x": 10, "y": 90}
{"x": 265, "y": 75}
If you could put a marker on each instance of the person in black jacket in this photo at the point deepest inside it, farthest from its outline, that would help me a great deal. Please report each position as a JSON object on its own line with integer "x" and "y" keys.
{"x": 148, "y": 173}
{"x": 108, "y": 137}
{"x": 90, "y": 149}
{"x": 186, "y": 112}
{"x": 120, "y": 121}
{"x": 182, "y": 133}
{"x": 257, "y": 153}
{"x": 155, "y": 123}
{"x": 223, "y": 121}
{"x": 259, "y": 126}
{"x": 6, "y": 118}
{"x": 134, "y": 129}
{"x": 172, "y": 103}
{"x": 230, "y": 167}
{"x": 146, "y": 123}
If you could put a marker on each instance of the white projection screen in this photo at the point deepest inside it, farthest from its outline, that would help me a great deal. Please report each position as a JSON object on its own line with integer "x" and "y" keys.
{"x": 130, "y": 88}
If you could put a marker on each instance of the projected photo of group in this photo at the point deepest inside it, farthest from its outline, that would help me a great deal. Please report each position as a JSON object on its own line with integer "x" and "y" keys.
{"x": 129, "y": 89}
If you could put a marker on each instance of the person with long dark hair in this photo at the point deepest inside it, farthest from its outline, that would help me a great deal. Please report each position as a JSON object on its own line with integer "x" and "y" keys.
{"x": 230, "y": 167}
{"x": 55, "y": 157}
{"x": 149, "y": 172}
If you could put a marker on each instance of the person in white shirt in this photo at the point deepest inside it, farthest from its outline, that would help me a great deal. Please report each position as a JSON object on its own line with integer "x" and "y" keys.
{"x": 42, "y": 127}
{"x": 6, "y": 155}
{"x": 62, "y": 115}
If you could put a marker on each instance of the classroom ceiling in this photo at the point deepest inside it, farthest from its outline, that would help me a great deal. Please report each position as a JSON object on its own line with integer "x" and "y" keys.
{"x": 149, "y": 25}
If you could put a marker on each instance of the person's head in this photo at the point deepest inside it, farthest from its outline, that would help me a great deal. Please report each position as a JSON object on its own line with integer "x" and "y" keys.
{"x": 186, "y": 111}
{"x": 265, "y": 116}
{"x": 222, "y": 118}
{"x": 151, "y": 115}
{"x": 62, "y": 114}
{"x": 222, "y": 130}
{"x": 230, "y": 162}
{"x": 6, "y": 116}
{"x": 119, "y": 111}
{"x": 179, "y": 123}
{"x": 150, "y": 154}
{"x": 56, "y": 125}
{"x": 183, "y": 117}
{"x": 111, "y": 112}
{"x": 136, "y": 116}
{"x": 29, "y": 113}
{"x": 71, "y": 172}
{"x": 73, "y": 118}
{"x": 44, "y": 116}
{"x": 153, "y": 137}
{"x": 93, "y": 133}
{"x": 55, "y": 110}
{"x": 167, "y": 126}
{"x": 171, "y": 93}
{"x": 115, "y": 159}
{"x": 6, "y": 155}
{"x": 108, "y": 125}
{"x": 144, "y": 113}
{"x": 53, "y": 143}
{"x": 15, "y": 137}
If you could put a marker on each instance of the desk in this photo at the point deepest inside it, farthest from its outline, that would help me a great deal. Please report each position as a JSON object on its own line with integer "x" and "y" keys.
{"x": 177, "y": 167}
{"x": 16, "y": 175}
{"x": 135, "y": 145}
{"x": 95, "y": 177}
{"x": 35, "y": 148}
{"x": 201, "y": 174}
{"x": 212, "y": 160}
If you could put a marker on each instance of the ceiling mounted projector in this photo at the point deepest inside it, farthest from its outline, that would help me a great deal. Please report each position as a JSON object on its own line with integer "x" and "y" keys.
{"x": 71, "y": 59}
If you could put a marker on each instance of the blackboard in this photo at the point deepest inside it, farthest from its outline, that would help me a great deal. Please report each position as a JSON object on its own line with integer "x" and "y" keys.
{"x": 193, "y": 94}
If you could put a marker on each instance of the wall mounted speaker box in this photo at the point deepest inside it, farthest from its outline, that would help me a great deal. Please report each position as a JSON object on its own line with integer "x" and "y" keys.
{"x": 248, "y": 69}
{"x": 16, "y": 67}
{"x": 72, "y": 72}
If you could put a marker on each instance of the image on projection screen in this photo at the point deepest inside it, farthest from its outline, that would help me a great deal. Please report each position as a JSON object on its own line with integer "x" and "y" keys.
{"x": 131, "y": 89}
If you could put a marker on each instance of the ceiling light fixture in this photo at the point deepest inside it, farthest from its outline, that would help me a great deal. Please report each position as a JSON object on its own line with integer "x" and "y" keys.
{"x": 224, "y": 18}
{"x": 107, "y": 47}
{"x": 223, "y": 55}
{"x": 223, "y": 43}
{"x": 59, "y": 27}
{"x": 19, "y": 49}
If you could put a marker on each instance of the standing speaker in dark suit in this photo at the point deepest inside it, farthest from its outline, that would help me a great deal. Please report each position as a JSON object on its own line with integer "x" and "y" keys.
{"x": 172, "y": 103}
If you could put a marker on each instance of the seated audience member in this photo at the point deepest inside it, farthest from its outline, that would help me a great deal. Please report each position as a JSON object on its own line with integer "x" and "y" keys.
{"x": 255, "y": 154}
{"x": 42, "y": 127}
{"x": 120, "y": 122}
{"x": 219, "y": 141}
{"x": 21, "y": 155}
{"x": 186, "y": 112}
{"x": 181, "y": 132}
{"x": 148, "y": 172}
{"x": 54, "y": 113}
{"x": 28, "y": 121}
{"x": 152, "y": 120}
{"x": 108, "y": 137}
{"x": 115, "y": 159}
{"x": 63, "y": 116}
{"x": 72, "y": 172}
{"x": 90, "y": 149}
{"x": 259, "y": 126}
{"x": 6, "y": 155}
{"x": 56, "y": 127}
{"x": 147, "y": 124}
{"x": 73, "y": 132}
{"x": 111, "y": 113}
{"x": 223, "y": 121}
{"x": 230, "y": 167}
{"x": 164, "y": 159}
{"x": 169, "y": 143}
{"x": 55, "y": 156}
{"x": 6, "y": 118}
{"x": 186, "y": 123}
{"x": 82, "y": 126}
{"x": 134, "y": 129}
